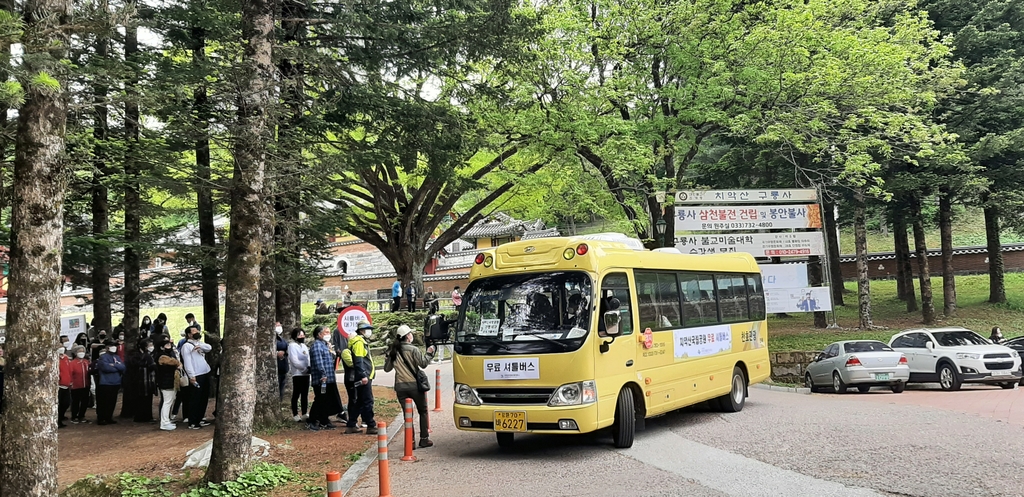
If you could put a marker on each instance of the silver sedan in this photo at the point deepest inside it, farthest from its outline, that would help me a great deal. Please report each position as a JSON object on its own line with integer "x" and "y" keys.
{"x": 858, "y": 363}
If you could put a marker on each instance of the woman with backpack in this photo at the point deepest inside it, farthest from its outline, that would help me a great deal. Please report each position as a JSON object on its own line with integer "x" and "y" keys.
{"x": 408, "y": 362}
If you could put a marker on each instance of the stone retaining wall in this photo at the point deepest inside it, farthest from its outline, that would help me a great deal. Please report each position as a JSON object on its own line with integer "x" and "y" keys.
{"x": 789, "y": 367}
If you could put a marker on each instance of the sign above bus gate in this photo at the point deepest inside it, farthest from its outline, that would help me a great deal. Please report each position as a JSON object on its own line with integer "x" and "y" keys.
{"x": 758, "y": 217}
{"x": 744, "y": 196}
{"x": 755, "y": 244}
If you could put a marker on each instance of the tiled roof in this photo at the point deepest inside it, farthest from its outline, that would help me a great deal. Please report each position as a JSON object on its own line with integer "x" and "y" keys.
{"x": 501, "y": 224}
{"x": 885, "y": 256}
{"x": 548, "y": 233}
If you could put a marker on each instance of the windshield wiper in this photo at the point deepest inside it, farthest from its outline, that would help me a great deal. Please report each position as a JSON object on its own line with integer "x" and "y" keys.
{"x": 538, "y": 335}
{"x": 486, "y": 339}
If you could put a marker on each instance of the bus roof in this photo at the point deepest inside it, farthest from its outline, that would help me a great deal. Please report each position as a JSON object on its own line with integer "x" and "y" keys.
{"x": 546, "y": 254}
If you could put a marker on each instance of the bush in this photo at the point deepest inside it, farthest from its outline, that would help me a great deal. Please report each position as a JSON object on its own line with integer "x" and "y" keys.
{"x": 260, "y": 480}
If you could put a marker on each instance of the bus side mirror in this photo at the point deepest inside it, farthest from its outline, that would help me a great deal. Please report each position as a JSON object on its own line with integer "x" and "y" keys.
{"x": 611, "y": 323}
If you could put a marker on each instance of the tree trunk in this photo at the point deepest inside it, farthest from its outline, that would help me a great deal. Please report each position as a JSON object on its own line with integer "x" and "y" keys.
{"x": 996, "y": 283}
{"x": 946, "y": 233}
{"x": 132, "y": 199}
{"x": 237, "y": 397}
{"x": 100, "y": 197}
{"x": 209, "y": 272}
{"x": 28, "y": 449}
{"x": 835, "y": 267}
{"x": 268, "y": 402}
{"x": 289, "y": 268}
{"x": 815, "y": 277}
{"x": 899, "y": 229}
{"x": 923, "y": 274}
{"x": 861, "y": 242}
{"x": 905, "y": 269}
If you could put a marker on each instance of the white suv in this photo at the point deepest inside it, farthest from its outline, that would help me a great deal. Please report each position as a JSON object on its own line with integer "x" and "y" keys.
{"x": 952, "y": 356}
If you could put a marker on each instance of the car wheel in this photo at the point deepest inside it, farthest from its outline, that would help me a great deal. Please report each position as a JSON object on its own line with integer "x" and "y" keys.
{"x": 949, "y": 377}
{"x": 837, "y": 383}
{"x": 625, "y": 420}
{"x": 863, "y": 389}
{"x": 506, "y": 440}
{"x": 737, "y": 396}
{"x": 810, "y": 383}
{"x": 1008, "y": 385}
{"x": 898, "y": 387}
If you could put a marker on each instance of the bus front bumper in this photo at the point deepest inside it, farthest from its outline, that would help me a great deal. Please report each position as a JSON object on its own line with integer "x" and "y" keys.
{"x": 538, "y": 419}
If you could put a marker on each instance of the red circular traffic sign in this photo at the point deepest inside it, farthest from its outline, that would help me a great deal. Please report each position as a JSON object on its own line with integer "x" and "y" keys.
{"x": 350, "y": 317}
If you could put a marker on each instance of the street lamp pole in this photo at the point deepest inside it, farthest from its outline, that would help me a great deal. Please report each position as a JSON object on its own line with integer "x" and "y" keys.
{"x": 660, "y": 226}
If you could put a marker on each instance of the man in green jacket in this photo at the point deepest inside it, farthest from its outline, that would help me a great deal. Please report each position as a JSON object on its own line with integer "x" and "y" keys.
{"x": 362, "y": 366}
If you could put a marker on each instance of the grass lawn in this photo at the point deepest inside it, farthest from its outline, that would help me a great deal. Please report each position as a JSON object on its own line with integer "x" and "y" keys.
{"x": 798, "y": 333}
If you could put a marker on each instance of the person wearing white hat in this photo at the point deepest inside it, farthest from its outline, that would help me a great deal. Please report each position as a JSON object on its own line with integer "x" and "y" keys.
{"x": 407, "y": 361}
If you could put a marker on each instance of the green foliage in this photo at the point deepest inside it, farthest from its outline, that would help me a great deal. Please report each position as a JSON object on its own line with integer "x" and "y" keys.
{"x": 259, "y": 481}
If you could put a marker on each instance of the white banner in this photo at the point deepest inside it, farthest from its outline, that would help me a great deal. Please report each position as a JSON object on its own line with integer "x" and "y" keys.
{"x": 704, "y": 341}
{"x": 756, "y": 244}
{"x": 781, "y": 276}
{"x": 758, "y": 217}
{"x": 795, "y": 300}
{"x": 525, "y": 368}
{"x": 740, "y": 196}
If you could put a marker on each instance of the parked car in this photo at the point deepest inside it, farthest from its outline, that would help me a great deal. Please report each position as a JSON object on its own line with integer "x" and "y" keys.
{"x": 953, "y": 356}
{"x": 858, "y": 363}
{"x": 1018, "y": 345}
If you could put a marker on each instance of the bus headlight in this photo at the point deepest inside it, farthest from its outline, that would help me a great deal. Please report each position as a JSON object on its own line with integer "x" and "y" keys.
{"x": 465, "y": 395}
{"x": 574, "y": 394}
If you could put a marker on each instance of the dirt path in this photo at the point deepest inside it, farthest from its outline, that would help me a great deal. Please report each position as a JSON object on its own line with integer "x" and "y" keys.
{"x": 142, "y": 448}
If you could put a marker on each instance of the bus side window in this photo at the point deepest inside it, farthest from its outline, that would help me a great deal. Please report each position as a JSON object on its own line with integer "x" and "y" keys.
{"x": 616, "y": 285}
{"x": 755, "y": 294}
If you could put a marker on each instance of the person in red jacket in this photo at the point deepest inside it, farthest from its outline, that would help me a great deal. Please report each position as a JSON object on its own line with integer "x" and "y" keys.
{"x": 64, "y": 390}
{"x": 80, "y": 383}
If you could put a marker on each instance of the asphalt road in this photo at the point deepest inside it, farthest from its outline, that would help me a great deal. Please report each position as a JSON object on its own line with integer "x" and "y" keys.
{"x": 781, "y": 444}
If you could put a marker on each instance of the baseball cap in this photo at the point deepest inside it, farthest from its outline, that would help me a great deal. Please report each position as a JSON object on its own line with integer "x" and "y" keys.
{"x": 364, "y": 324}
{"x": 403, "y": 331}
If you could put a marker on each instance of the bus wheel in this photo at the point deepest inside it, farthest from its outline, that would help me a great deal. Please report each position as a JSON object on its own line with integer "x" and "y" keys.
{"x": 625, "y": 420}
{"x": 505, "y": 440}
{"x": 737, "y": 396}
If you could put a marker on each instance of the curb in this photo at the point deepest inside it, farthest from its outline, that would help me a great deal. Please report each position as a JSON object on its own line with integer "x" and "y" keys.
{"x": 356, "y": 470}
{"x": 762, "y": 386}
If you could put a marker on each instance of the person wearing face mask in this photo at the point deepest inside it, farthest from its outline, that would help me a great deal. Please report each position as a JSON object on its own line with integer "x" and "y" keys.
{"x": 298, "y": 368}
{"x": 193, "y": 355}
{"x": 160, "y": 325}
{"x": 281, "y": 347}
{"x": 167, "y": 365}
{"x": 111, "y": 370}
{"x": 80, "y": 383}
{"x": 326, "y": 400}
{"x": 141, "y": 386}
{"x": 98, "y": 344}
{"x": 146, "y": 328}
{"x": 120, "y": 344}
{"x": 64, "y": 383}
{"x": 363, "y": 371}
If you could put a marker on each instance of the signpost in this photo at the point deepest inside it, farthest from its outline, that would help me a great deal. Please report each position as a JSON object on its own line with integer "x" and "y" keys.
{"x": 756, "y": 244}
{"x": 71, "y": 326}
{"x": 350, "y": 317}
{"x": 775, "y": 223}
{"x": 758, "y": 217}
{"x": 694, "y": 197}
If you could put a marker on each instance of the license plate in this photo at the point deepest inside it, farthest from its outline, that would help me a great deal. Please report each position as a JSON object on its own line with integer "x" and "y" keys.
{"x": 1000, "y": 373}
{"x": 510, "y": 421}
{"x": 881, "y": 376}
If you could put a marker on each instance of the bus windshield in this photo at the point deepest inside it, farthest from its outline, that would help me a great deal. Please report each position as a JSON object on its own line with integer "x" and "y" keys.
{"x": 525, "y": 313}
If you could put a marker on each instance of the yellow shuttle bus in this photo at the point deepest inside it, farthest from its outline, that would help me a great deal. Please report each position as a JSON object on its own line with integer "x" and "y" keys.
{"x": 573, "y": 335}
